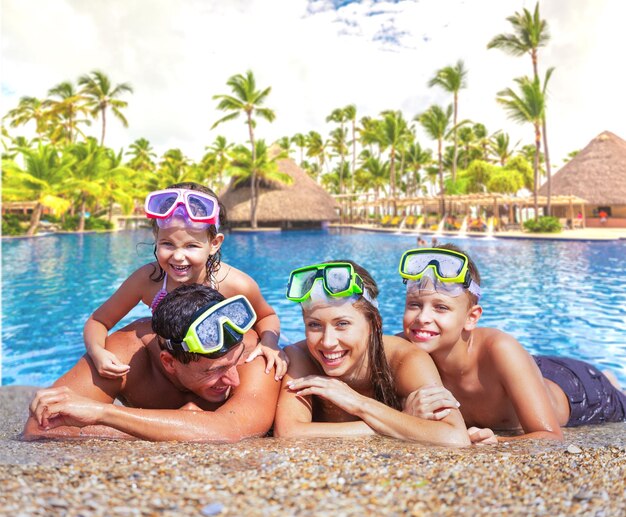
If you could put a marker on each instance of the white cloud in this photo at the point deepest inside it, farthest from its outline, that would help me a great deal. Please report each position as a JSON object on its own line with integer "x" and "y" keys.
{"x": 378, "y": 55}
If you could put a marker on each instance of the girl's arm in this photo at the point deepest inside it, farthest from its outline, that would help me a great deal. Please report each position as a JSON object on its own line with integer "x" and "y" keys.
{"x": 294, "y": 413}
{"x": 525, "y": 387}
{"x": 107, "y": 316}
{"x": 267, "y": 325}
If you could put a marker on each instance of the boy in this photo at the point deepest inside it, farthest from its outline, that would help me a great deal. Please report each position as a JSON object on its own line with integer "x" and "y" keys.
{"x": 497, "y": 383}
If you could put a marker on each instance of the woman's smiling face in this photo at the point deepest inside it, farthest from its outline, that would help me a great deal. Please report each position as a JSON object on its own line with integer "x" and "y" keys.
{"x": 337, "y": 336}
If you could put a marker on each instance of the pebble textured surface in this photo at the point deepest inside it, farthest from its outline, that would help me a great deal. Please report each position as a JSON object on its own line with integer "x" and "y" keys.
{"x": 584, "y": 475}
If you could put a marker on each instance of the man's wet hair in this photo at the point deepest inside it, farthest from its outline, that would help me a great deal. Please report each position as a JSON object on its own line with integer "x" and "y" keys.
{"x": 471, "y": 266}
{"x": 174, "y": 314}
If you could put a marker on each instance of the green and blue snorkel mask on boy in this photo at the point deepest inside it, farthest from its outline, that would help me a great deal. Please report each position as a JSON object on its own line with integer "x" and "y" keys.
{"x": 216, "y": 329}
{"x": 437, "y": 269}
{"x": 326, "y": 282}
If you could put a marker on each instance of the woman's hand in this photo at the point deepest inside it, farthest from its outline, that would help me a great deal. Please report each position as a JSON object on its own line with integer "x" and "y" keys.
{"x": 480, "y": 436}
{"x": 431, "y": 402}
{"x": 333, "y": 390}
{"x": 274, "y": 357}
{"x": 107, "y": 364}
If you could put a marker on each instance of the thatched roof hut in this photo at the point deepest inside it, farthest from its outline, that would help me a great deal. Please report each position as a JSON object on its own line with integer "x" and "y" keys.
{"x": 597, "y": 173}
{"x": 303, "y": 204}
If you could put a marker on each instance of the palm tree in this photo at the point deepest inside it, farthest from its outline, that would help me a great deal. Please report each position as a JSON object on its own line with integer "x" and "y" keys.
{"x": 393, "y": 132}
{"x": 316, "y": 148}
{"x": 85, "y": 181}
{"x": 220, "y": 153}
{"x": 101, "y": 95}
{"x": 417, "y": 158}
{"x": 300, "y": 141}
{"x": 452, "y": 79}
{"x": 119, "y": 184}
{"x": 141, "y": 153}
{"x": 527, "y": 107}
{"x": 338, "y": 140}
{"x": 435, "y": 122}
{"x": 248, "y": 100}
{"x": 350, "y": 114}
{"x": 260, "y": 165}
{"x": 30, "y": 108}
{"x": 65, "y": 111}
{"x": 40, "y": 179}
{"x": 530, "y": 33}
{"x": 499, "y": 145}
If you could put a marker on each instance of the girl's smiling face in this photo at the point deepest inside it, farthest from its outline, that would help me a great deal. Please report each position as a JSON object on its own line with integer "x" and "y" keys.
{"x": 434, "y": 321}
{"x": 183, "y": 252}
{"x": 337, "y": 336}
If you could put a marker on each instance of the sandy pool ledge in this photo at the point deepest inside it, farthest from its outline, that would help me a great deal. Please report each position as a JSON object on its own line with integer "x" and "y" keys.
{"x": 376, "y": 476}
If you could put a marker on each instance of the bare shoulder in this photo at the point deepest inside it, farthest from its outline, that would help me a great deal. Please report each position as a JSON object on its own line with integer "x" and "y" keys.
{"x": 411, "y": 367}
{"x": 495, "y": 343}
{"x": 233, "y": 281}
{"x": 300, "y": 361}
{"x": 132, "y": 338}
{"x": 399, "y": 351}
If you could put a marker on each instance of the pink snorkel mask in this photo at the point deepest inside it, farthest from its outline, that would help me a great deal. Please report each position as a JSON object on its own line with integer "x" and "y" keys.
{"x": 181, "y": 217}
{"x": 170, "y": 207}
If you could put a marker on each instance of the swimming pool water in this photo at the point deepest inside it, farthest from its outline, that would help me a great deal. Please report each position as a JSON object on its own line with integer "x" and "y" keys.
{"x": 556, "y": 297}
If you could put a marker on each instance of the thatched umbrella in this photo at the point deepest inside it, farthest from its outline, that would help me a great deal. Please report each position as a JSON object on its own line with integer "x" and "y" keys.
{"x": 302, "y": 204}
{"x": 596, "y": 174}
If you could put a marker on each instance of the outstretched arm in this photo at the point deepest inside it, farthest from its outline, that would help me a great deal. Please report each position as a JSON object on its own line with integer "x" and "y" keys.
{"x": 526, "y": 389}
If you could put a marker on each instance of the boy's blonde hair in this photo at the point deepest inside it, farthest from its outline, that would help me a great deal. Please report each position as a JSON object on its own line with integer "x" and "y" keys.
{"x": 471, "y": 266}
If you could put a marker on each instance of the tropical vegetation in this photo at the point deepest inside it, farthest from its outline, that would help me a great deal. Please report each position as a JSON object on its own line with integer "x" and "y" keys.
{"x": 70, "y": 176}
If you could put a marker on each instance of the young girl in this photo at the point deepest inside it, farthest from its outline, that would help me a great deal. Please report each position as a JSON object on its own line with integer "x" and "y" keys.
{"x": 187, "y": 217}
{"x": 346, "y": 378}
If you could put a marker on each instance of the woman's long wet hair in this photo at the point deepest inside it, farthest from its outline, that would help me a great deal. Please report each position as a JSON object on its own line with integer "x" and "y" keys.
{"x": 214, "y": 261}
{"x": 381, "y": 378}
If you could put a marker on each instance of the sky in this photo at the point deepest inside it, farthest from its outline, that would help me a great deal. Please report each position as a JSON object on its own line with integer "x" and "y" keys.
{"x": 316, "y": 55}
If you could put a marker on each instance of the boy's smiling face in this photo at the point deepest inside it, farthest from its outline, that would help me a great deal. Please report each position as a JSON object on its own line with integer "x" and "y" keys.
{"x": 435, "y": 321}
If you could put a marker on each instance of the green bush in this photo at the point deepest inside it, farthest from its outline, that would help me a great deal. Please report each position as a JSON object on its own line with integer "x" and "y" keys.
{"x": 11, "y": 225}
{"x": 70, "y": 224}
{"x": 545, "y": 224}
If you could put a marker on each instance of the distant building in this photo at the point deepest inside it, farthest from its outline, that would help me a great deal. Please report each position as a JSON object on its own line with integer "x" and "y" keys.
{"x": 303, "y": 204}
{"x": 598, "y": 175}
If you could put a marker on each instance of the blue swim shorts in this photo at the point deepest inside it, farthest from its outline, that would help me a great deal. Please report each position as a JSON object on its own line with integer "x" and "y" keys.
{"x": 592, "y": 397}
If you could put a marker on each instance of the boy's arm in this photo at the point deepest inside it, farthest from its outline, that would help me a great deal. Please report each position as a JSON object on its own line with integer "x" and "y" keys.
{"x": 294, "y": 414}
{"x": 524, "y": 385}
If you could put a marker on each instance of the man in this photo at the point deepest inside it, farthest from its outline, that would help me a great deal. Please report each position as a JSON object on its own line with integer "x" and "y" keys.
{"x": 187, "y": 380}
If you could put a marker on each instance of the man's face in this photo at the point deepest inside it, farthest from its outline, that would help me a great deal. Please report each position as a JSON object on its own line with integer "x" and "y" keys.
{"x": 211, "y": 379}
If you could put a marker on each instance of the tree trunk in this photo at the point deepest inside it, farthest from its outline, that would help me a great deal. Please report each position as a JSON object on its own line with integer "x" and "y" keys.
{"x": 104, "y": 125}
{"x": 253, "y": 182}
{"x": 34, "y": 220}
{"x": 81, "y": 220}
{"x": 456, "y": 145}
{"x": 111, "y": 210}
{"x": 547, "y": 159}
{"x": 441, "y": 186}
{"x": 536, "y": 167}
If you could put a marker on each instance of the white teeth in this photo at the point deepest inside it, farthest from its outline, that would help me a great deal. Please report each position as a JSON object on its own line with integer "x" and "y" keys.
{"x": 334, "y": 355}
{"x": 424, "y": 334}
{"x": 180, "y": 268}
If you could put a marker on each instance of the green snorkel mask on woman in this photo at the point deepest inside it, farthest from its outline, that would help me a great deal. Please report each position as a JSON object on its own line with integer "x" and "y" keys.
{"x": 327, "y": 281}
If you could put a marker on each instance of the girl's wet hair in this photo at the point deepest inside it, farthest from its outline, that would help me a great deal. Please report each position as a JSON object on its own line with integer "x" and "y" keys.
{"x": 381, "y": 378}
{"x": 214, "y": 261}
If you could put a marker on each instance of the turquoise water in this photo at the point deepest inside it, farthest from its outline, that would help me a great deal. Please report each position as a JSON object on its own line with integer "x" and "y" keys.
{"x": 561, "y": 298}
